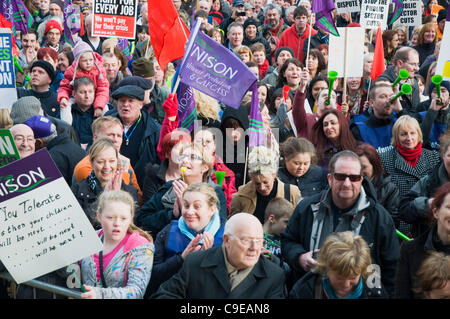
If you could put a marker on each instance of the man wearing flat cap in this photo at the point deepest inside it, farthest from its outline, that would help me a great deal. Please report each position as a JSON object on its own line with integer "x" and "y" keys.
{"x": 141, "y": 132}
{"x": 42, "y": 74}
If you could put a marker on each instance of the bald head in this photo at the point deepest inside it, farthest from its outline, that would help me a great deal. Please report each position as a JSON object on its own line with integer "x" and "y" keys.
{"x": 243, "y": 239}
{"x": 24, "y": 139}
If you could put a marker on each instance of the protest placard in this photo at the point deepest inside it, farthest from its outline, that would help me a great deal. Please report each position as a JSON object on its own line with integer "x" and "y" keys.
{"x": 354, "y": 62}
{"x": 343, "y": 6}
{"x": 8, "y": 149}
{"x": 411, "y": 14}
{"x": 373, "y": 13}
{"x": 42, "y": 228}
{"x": 443, "y": 63}
{"x": 114, "y": 18}
{"x": 8, "y": 94}
{"x": 215, "y": 70}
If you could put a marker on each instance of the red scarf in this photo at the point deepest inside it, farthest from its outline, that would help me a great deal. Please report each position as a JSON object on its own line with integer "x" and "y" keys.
{"x": 263, "y": 68}
{"x": 410, "y": 156}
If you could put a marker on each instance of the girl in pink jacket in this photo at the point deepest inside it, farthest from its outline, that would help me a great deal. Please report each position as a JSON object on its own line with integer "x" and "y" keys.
{"x": 87, "y": 63}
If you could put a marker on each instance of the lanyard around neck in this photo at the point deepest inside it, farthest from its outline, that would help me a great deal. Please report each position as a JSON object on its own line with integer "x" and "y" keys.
{"x": 127, "y": 137}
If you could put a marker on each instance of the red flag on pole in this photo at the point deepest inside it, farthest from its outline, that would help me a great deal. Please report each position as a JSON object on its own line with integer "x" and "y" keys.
{"x": 168, "y": 33}
{"x": 378, "y": 65}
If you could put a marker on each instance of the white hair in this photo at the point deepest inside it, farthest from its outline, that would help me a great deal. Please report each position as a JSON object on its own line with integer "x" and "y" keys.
{"x": 262, "y": 160}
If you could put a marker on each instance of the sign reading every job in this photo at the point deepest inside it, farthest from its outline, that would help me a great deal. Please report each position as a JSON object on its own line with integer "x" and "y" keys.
{"x": 374, "y": 13}
{"x": 411, "y": 14}
{"x": 114, "y": 18}
{"x": 42, "y": 226}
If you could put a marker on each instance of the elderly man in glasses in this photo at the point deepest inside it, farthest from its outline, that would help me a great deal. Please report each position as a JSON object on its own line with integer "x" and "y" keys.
{"x": 350, "y": 204}
{"x": 236, "y": 269}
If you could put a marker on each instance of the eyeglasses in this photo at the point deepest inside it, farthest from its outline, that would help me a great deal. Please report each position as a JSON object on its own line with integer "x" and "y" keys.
{"x": 192, "y": 157}
{"x": 342, "y": 177}
{"x": 21, "y": 139}
{"x": 247, "y": 241}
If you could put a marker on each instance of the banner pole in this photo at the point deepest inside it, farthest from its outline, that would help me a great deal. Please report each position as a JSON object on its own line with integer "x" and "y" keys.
{"x": 344, "y": 91}
{"x": 309, "y": 40}
{"x": 245, "y": 166}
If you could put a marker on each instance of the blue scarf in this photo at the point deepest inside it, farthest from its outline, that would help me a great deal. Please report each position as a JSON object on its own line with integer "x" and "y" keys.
{"x": 212, "y": 227}
{"x": 355, "y": 294}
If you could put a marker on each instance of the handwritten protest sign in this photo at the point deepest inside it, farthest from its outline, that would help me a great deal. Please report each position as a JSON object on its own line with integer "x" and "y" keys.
{"x": 411, "y": 14}
{"x": 343, "y": 6}
{"x": 42, "y": 226}
{"x": 114, "y": 18}
{"x": 8, "y": 149}
{"x": 354, "y": 62}
{"x": 8, "y": 93}
{"x": 373, "y": 13}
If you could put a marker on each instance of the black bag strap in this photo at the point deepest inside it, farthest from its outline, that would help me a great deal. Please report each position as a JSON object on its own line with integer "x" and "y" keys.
{"x": 100, "y": 259}
{"x": 318, "y": 291}
{"x": 287, "y": 192}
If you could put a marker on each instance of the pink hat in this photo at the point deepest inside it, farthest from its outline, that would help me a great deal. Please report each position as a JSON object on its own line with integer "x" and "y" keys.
{"x": 80, "y": 48}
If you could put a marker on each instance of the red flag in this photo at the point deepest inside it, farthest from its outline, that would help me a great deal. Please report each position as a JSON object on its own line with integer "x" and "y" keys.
{"x": 378, "y": 65}
{"x": 168, "y": 33}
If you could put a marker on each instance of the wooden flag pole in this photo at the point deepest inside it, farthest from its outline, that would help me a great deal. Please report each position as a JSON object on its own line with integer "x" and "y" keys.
{"x": 309, "y": 40}
{"x": 344, "y": 90}
{"x": 245, "y": 166}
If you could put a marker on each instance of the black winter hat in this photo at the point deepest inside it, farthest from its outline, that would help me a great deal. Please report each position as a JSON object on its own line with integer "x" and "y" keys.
{"x": 250, "y": 21}
{"x": 132, "y": 91}
{"x": 46, "y": 66}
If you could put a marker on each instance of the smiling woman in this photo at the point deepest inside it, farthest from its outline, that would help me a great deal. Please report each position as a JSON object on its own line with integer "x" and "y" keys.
{"x": 106, "y": 174}
{"x": 198, "y": 228}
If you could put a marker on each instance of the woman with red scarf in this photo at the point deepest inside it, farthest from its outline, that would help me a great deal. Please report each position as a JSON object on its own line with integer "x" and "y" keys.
{"x": 406, "y": 161}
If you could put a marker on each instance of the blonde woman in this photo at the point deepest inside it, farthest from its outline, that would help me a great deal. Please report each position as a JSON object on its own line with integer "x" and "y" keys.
{"x": 342, "y": 271}
{"x": 123, "y": 268}
{"x": 106, "y": 175}
{"x": 264, "y": 185}
{"x": 207, "y": 109}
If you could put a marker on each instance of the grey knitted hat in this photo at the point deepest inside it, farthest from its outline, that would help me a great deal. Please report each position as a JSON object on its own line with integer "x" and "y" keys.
{"x": 24, "y": 108}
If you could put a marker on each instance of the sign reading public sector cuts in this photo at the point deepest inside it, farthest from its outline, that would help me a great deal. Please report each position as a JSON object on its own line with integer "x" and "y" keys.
{"x": 42, "y": 226}
{"x": 114, "y": 18}
{"x": 374, "y": 13}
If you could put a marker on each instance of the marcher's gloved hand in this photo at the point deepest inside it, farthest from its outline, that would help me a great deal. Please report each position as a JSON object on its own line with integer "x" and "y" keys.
{"x": 170, "y": 105}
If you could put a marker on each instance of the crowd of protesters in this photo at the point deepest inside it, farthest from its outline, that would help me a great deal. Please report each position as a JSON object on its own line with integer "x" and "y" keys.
{"x": 348, "y": 198}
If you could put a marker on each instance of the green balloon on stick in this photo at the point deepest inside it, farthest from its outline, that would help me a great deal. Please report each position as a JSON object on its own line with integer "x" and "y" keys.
{"x": 220, "y": 175}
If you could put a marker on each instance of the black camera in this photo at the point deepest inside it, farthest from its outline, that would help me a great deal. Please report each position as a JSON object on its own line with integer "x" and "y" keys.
{"x": 241, "y": 14}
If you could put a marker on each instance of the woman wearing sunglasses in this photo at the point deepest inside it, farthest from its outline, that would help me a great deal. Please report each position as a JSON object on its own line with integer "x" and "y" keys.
{"x": 165, "y": 205}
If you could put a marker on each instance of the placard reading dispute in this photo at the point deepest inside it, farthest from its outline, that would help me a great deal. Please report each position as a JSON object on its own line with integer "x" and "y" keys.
{"x": 42, "y": 226}
{"x": 114, "y": 18}
{"x": 343, "y": 6}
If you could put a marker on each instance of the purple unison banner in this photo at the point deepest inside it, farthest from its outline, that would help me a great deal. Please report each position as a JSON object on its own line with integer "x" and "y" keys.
{"x": 216, "y": 71}
{"x": 20, "y": 177}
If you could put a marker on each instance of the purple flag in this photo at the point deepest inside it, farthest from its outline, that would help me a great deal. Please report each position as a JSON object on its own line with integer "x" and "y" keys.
{"x": 123, "y": 44}
{"x": 255, "y": 127}
{"x": 215, "y": 70}
{"x": 397, "y": 10}
{"x": 324, "y": 19}
{"x": 322, "y": 5}
{"x": 187, "y": 113}
{"x": 71, "y": 21}
{"x": 16, "y": 12}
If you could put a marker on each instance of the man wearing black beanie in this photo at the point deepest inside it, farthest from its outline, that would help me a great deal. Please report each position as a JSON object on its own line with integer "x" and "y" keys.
{"x": 252, "y": 35}
{"x": 42, "y": 74}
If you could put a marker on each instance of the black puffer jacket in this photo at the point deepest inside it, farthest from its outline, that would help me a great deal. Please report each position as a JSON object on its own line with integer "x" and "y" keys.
{"x": 314, "y": 215}
{"x": 414, "y": 205}
{"x": 312, "y": 182}
{"x": 388, "y": 196}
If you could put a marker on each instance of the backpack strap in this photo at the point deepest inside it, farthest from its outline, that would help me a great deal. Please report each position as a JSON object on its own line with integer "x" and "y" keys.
{"x": 126, "y": 267}
{"x": 287, "y": 192}
{"x": 318, "y": 288}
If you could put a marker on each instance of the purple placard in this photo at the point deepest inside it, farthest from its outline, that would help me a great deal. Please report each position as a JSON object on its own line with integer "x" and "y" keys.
{"x": 27, "y": 174}
{"x": 216, "y": 71}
